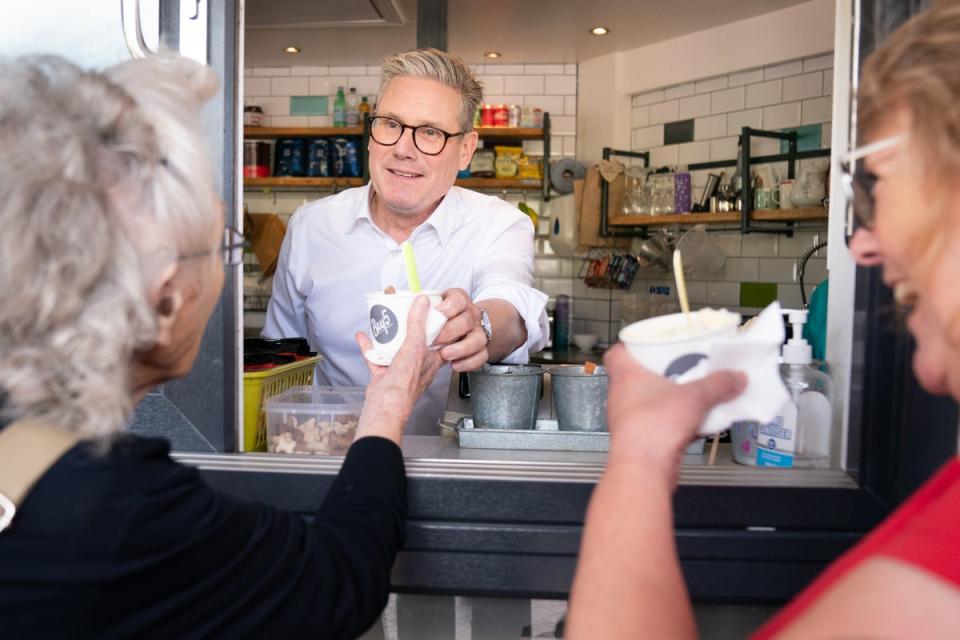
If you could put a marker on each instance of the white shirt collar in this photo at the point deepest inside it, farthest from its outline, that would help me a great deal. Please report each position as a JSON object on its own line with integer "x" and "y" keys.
{"x": 445, "y": 218}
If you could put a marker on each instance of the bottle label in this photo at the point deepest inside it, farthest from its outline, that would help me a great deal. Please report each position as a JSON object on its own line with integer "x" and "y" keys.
{"x": 777, "y": 440}
{"x": 767, "y": 458}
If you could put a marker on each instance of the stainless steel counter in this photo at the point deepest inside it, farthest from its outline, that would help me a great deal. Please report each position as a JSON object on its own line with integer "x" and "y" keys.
{"x": 441, "y": 457}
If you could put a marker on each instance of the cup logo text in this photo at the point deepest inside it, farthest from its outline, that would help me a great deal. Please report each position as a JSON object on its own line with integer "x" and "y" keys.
{"x": 683, "y": 364}
{"x": 383, "y": 324}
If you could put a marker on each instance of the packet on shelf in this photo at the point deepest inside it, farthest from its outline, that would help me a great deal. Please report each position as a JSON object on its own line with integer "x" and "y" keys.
{"x": 685, "y": 350}
{"x": 529, "y": 168}
{"x": 482, "y": 163}
{"x": 507, "y": 161}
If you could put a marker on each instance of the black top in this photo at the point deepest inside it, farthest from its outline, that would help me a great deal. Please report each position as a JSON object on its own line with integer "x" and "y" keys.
{"x": 133, "y": 544}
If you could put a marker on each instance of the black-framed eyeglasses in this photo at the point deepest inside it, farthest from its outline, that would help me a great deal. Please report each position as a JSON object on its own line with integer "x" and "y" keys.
{"x": 428, "y": 139}
{"x": 858, "y": 183}
{"x": 232, "y": 248}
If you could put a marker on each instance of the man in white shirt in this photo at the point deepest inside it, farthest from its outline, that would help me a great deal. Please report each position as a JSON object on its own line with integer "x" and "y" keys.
{"x": 476, "y": 249}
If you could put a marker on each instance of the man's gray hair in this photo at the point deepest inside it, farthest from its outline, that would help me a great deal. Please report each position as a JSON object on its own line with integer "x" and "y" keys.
{"x": 448, "y": 70}
{"x": 104, "y": 182}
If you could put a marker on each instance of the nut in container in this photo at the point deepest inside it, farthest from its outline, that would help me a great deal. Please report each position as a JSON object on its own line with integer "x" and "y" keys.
{"x": 318, "y": 420}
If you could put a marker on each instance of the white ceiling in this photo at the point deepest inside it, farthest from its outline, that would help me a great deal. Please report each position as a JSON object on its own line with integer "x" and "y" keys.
{"x": 354, "y": 32}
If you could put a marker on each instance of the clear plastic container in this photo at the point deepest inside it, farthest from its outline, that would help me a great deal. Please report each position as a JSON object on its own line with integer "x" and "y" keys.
{"x": 320, "y": 420}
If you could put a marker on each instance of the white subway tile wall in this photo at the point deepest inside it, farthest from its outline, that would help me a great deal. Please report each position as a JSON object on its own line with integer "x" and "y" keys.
{"x": 665, "y": 111}
{"x": 552, "y": 87}
{"x": 781, "y": 116}
{"x": 765, "y": 93}
{"x": 710, "y": 127}
{"x": 695, "y": 106}
{"x": 790, "y": 94}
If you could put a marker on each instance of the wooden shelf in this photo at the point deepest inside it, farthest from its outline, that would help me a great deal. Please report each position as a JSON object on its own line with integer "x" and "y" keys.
{"x": 498, "y": 183}
{"x": 813, "y": 213}
{"x": 514, "y": 133}
{"x": 251, "y": 133}
{"x": 290, "y": 181}
{"x": 306, "y": 183}
{"x": 764, "y": 215}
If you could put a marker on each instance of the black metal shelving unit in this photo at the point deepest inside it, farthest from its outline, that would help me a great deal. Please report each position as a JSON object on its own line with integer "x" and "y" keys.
{"x": 746, "y": 223}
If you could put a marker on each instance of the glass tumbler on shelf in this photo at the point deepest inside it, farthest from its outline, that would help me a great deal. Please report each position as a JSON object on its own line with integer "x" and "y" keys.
{"x": 663, "y": 193}
{"x": 656, "y": 200}
{"x": 635, "y": 180}
{"x": 645, "y": 206}
{"x": 668, "y": 187}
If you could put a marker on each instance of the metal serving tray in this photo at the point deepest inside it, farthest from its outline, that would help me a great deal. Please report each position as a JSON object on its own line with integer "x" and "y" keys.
{"x": 545, "y": 437}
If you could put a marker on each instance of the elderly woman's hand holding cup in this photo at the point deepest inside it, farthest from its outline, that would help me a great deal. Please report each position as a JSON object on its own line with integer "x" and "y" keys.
{"x": 393, "y": 390}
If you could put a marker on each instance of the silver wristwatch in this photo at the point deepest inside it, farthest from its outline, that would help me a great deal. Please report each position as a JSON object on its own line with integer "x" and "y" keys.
{"x": 485, "y": 323}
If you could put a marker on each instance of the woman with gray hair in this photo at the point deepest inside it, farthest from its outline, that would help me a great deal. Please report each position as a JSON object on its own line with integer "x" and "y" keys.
{"x": 111, "y": 262}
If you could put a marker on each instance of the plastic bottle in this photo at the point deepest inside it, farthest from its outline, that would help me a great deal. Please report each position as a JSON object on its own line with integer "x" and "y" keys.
{"x": 562, "y": 319}
{"x": 353, "y": 108}
{"x": 340, "y": 109}
{"x": 363, "y": 108}
{"x": 800, "y": 435}
{"x": 811, "y": 391}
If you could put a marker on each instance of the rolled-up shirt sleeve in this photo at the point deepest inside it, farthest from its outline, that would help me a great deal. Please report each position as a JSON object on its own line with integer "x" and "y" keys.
{"x": 505, "y": 271}
{"x": 286, "y": 316}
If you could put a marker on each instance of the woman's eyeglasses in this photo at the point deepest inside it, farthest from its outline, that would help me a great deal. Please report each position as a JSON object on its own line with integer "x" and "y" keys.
{"x": 858, "y": 183}
{"x": 428, "y": 139}
{"x": 232, "y": 248}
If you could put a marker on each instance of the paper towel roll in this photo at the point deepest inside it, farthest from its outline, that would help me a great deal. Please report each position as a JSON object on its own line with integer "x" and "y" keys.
{"x": 563, "y": 172}
{"x": 563, "y": 226}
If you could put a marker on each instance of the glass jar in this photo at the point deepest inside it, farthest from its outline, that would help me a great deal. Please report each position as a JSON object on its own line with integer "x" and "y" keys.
{"x": 253, "y": 116}
{"x": 810, "y": 189}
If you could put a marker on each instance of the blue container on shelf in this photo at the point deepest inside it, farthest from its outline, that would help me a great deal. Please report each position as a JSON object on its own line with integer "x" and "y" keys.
{"x": 291, "y": 157}
{"x": 344, "y": 157}
{"x": 318, "y": 158}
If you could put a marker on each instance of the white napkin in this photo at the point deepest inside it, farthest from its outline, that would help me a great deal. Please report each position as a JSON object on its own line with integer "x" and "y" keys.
{"x": 754, "y": 351}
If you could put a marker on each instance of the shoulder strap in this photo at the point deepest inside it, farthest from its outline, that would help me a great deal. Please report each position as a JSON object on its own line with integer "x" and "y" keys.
{"x": 28, "y": 448}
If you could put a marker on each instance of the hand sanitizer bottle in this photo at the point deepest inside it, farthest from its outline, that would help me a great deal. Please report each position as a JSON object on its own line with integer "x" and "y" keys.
{"x": 811, "y": 392}
{"x": 800, "y": 435}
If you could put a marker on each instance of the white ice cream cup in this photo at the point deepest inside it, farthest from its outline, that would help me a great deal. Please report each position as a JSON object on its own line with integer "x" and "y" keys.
{"x": 387, "y": 322}
{"x": 671, "y": 345}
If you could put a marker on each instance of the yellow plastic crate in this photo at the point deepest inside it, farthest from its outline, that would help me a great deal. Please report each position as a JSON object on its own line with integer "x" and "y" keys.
{"x": 260, "y": 385}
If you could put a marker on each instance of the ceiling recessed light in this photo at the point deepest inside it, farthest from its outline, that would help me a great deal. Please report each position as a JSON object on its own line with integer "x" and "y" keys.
{"x": 491, "y": 54}
{"x": 291, "y": 49}
{"x": 599, "y": 31}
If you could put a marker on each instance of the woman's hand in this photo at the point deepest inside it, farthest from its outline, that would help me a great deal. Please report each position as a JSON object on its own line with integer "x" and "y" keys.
{"x": 394, "y": 390}
{"x": 652, "y": 419}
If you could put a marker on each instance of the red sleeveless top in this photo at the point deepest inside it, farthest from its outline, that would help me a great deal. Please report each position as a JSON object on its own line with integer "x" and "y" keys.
{"x": 924, "y": 531}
